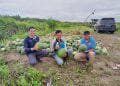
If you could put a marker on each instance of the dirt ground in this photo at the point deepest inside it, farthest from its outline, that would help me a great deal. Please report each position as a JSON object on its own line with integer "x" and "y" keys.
{"x": 106, "y": 70}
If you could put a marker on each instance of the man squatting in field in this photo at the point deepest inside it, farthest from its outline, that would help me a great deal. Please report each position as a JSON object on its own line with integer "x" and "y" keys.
{"x": 34, "y": 55}
{"x": 90, "y": 42}
{"x": 58, "y": 44}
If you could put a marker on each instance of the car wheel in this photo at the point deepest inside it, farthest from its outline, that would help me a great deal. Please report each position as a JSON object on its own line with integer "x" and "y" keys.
{"x": 98, "y": 31}
{"x": 111, "y": 32}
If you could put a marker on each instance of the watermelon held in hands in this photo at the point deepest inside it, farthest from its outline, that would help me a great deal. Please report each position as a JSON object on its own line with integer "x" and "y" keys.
{"x": 82, "y": 48}
{"x": 62, "y": 52}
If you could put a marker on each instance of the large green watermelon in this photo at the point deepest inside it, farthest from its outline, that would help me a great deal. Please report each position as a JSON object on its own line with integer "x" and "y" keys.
{"x": 62, "y": 52}
{"x": 75, "y": 45}
{"x": 98, "y": 52}
{"x": 43, "y": 46}
{"x": 82, "y": 48}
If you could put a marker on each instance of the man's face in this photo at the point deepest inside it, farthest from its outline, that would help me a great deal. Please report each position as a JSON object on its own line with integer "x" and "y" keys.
{"x": 32, "y": 32}
{"x": 59, "y": 35}
{"x": 86, "y": 37}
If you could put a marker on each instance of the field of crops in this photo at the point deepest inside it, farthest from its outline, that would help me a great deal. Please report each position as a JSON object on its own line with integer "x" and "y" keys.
{"x": 14, "y": 67}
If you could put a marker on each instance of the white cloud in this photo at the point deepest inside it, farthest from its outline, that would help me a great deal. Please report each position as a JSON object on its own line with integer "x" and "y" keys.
{"x": 67, "y": 10}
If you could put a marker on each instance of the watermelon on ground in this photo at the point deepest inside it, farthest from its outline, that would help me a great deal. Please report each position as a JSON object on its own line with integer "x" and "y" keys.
{"x": 17, "y": 40}
{"x": 1, "y": 45}
{"x": 74, "y": 53}
{"x": 98, "y": 52}
{"x": 82, "y": 48}
{"x": 48, "y": 49}
{"x": 3, "y": 49}
{"x": 42, "y": 46}
{"x": 68, "y": 44}
{"x": 104, "y": 51}
{"x": 20, "y": 49}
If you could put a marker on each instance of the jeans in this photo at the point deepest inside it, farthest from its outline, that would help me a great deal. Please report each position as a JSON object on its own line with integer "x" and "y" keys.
{"x": 59, "y": 60}
{"x": 35, "y": 57}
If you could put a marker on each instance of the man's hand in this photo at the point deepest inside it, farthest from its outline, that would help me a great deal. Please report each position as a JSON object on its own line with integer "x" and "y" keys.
{"x": 35, "y": 47}
{"x": 78, "y": 43}
{"x": 57, "y": 47}
{"x": 65, "y": 54}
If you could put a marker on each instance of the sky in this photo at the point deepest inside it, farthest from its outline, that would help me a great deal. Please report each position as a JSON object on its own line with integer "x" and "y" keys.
{"x": 63, "y": 10}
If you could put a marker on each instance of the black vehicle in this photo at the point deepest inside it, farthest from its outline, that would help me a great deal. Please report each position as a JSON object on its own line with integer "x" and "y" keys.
{"x": 105, "y": 25}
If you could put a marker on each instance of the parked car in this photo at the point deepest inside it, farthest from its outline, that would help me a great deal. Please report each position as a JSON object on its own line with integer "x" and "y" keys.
{"x": 105, "y": 25}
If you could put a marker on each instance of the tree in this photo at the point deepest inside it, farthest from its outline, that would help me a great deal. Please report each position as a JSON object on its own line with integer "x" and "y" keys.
{"x": 51, "y": 23}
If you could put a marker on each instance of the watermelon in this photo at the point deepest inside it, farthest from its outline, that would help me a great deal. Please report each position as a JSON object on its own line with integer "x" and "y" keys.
{"x": 98, "y": 52}
{"x": 104, "y": 51}
{"x": 7, "y": 48}
{"x": 62, "y": 52}
{"x": 18, "y": 40}
{"x": 47, "y": 41}
{"x": 82, "y": 48}
{"x": 68, "y": 44}
{"x": 48, "y": 49}
{"x": 77, "y": 38}
{"x": 1, "y": 45}
{"x": 39, "y": 46}
{"x": 75, "y": 44}
{"x": 101, "y": 51}
{"x": 43, "y": 46}
{"x": 13, "y": 42}
{"x": 70, "y": 41}
{"x": 98, "y": 47}
{"x": 3, "y": 49}
{"x": 75, "y": 49}
{"x": 20, "y": 49}
{"x": 74, "y": 53}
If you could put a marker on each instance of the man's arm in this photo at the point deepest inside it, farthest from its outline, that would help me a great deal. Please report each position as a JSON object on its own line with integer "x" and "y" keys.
{"x": 55, "y": 48}
{"x": 93, "y": 43}
{"x": 26, "y": 46}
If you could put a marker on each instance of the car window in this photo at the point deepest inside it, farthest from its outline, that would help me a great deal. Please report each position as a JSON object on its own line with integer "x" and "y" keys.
{"x": 107, "y": 21}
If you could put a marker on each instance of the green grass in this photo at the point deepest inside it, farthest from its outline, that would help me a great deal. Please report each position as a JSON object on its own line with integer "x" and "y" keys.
{"x": 20, "y": 75}
{"x": 118, "y": 28}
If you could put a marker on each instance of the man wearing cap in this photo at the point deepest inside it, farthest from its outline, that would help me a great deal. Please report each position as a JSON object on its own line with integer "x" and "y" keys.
{"x": 90, "y": 42}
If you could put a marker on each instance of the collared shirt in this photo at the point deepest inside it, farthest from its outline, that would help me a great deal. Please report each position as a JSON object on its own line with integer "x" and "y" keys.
{"x": 61, "y": 43}
{"x": 91, "y": 43}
